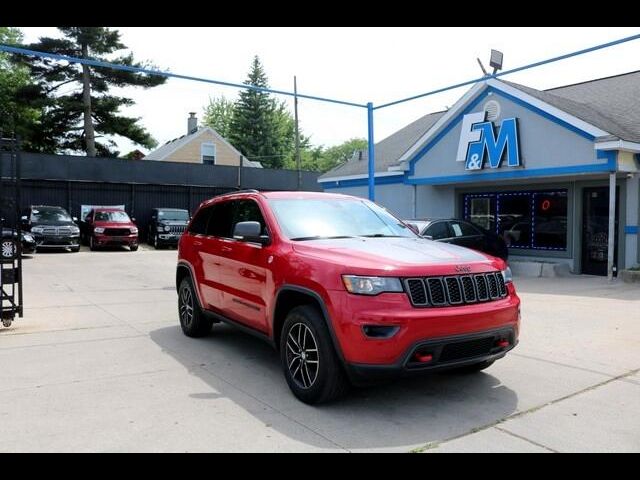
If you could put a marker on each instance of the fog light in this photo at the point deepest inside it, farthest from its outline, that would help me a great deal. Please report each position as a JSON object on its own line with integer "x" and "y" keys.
{"x": 380, "y": 331}
{"x": 503, "y": 343}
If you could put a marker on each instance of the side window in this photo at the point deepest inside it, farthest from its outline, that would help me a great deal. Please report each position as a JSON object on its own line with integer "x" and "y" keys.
{"x": 249, "y": 211}
{"x": 461, "y": 229}
{"x": 220, "y": 220}
{"x": 437, "y": 231}
{"x": 199, "y": 224}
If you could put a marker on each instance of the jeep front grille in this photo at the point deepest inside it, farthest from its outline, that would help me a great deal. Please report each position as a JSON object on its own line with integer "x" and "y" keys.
{"x": 455, "y": 289}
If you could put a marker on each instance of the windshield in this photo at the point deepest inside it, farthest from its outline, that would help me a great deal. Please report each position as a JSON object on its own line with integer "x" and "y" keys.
{"x": 50, "y": 215}
{"x": 308, "y": 219}
{"x": 118, "y": 217}
{"x": 173, "y": 215}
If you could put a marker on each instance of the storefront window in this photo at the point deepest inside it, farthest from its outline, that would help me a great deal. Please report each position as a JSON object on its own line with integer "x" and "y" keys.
{"x": 528, "y": 219}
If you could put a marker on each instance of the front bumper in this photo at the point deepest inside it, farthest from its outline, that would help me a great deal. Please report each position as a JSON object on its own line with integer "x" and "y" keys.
{"x": 352, "y": 315}
{"x": 443, "y": 354}
{"x": 108, "y": 240}
{"x": 169, "y": 238}
{"x": 57, "y": 241}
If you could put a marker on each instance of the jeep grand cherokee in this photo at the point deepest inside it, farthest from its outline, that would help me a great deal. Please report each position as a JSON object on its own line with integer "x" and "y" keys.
{"x": 343, "y": 290}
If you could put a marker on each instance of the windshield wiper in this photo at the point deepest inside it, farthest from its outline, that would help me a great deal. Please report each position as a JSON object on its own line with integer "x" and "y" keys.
{"x": 320, "y": 237}
{"x": 381, "y": 235}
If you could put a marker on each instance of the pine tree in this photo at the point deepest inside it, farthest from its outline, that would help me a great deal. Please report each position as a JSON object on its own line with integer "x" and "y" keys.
{"x": 74, "y": 120}
{"x": 254, "y": 130}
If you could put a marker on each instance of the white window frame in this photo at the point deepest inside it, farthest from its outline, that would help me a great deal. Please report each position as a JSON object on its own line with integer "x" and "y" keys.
{"x": 215, "y": 151}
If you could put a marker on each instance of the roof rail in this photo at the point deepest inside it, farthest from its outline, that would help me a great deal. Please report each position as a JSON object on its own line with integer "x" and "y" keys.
{"x": 245, "y": 190}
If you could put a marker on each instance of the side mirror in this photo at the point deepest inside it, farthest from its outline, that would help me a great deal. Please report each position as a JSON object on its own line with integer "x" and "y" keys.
{"x": 153, "y": 217}
{"x": 23, "y": 219}
{"x": 75, "y": 219}
{"x": 133, "y": 219}
{"x": 250, "y": 232}
{"x": 413, "y": 228}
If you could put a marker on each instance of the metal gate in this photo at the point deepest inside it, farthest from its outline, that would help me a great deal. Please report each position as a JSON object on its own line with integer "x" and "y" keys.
{"x": 11, "y": 246}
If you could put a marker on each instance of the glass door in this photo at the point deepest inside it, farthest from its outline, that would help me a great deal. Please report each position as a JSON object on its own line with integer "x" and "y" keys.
{"x": 595, "y": 230}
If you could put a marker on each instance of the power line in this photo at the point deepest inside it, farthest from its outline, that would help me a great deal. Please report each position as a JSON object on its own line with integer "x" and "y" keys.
{"x": 148, "y": 71}
{"x": 513, "y": 70}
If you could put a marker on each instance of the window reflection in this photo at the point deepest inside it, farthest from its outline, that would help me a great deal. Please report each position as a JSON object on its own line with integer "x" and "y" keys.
{"x": 534, "y": 219}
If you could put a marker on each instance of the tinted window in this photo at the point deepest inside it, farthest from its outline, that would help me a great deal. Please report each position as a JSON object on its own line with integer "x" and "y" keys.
{"x": 249, "y": 211}
{"x": 221, "y": 220}
{"x": 461, "y": 229}
{"x": 437, "y": 231}
{"x": 199, "y": 224}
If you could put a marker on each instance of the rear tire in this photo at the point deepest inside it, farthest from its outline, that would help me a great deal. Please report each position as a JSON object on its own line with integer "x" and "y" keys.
{"x": 311, "y": 366}
{"x": 475, "y": 367}
{"x": 192, "y": 319}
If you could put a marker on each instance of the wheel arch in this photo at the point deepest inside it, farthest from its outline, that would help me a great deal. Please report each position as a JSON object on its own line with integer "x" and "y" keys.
{"x": 291, "y": 296}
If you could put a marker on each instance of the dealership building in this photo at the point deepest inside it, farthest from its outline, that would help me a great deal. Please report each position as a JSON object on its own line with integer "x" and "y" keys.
{"x": 553, "y": 172}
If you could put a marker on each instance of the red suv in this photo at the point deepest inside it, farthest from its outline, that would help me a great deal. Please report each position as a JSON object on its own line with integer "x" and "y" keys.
{"x": 105, "y": 227}
{"x": 344, "y": 290}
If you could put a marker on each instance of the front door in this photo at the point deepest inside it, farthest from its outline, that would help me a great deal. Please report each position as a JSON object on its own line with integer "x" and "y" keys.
{"x": 595, "y": 230}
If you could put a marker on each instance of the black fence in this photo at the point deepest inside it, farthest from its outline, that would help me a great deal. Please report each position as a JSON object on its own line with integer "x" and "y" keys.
{"x": 140, "y": 185}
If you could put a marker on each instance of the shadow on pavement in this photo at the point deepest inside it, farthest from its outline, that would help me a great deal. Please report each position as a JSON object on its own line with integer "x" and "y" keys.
{"x": 403, "y": 413}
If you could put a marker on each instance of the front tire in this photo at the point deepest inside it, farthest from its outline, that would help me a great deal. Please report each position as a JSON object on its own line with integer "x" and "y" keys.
{"x": 133, "y": 248}
{"x": 75, "y": 249}
{"x": 156, "y": 242}
{"x": 311, "y": 366}
{"x": 192, "y": 319}
{"x": 92, "y": 244}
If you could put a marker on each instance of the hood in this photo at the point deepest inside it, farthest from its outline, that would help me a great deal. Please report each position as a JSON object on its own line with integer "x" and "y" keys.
{"x": 404, "y": 256}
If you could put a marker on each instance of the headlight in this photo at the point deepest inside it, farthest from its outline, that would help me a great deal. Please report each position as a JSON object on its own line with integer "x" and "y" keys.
{"x": 508, "y": 276}
{"x": 37, "y": 229}
{"x": 98, "y": 230}
{"x": 75, "y": 230}
{"x": 371, "y": 285}
{"x": 134, "y": 230}
{"x": 167, "y": 228}
{"x": 28, "y": 237}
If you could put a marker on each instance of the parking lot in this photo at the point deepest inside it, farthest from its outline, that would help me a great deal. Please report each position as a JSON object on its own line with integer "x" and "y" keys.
{"x": 99, "y": 364}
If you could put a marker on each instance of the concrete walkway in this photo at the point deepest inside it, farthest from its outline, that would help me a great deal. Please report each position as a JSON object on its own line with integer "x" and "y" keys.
{"x": 99, "y": 364}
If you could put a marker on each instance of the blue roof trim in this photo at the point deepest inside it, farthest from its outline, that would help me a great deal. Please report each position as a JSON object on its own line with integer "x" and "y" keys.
{"x": 611, "y": 156}
{"x": 360, "y": 182}
{"x": 481, "y": 96}
{"x": 509, "y": 174}
{"x": 631, "y": 229}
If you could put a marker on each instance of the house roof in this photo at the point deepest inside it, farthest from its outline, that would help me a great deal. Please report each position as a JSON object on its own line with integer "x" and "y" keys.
{"x": 388, "y": 151}
{"x": 171, "y": 146}
{"x": 611, "y": 104}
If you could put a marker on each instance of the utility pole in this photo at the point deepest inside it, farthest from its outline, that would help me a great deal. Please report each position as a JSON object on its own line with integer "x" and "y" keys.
{"x": 295, "y": 110}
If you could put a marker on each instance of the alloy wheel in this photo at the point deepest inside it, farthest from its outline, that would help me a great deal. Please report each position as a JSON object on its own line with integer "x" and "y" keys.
{"x": 303, "y": 359}
{"x": 186, "y": 307}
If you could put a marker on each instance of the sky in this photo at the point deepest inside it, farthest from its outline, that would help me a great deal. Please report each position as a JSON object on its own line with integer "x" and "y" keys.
{"x": 358, "y": 64}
